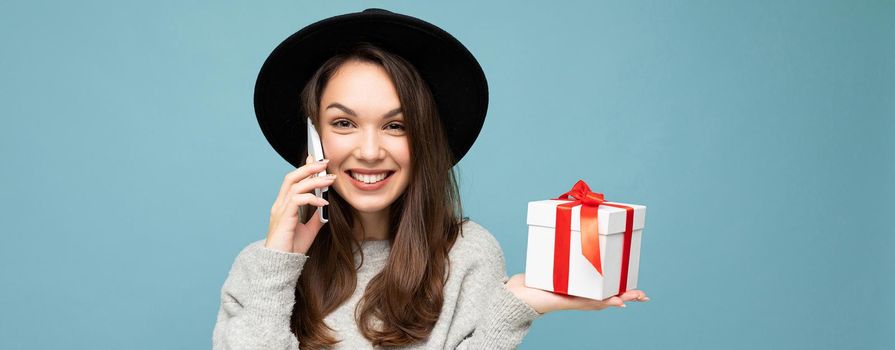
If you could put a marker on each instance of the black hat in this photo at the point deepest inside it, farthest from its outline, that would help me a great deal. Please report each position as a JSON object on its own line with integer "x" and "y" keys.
{"x": 453, "y": 75}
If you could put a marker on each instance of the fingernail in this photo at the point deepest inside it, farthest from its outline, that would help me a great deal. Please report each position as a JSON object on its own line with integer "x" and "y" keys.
{"x": 325, "y": 160}
{"x": 623, "y": 305}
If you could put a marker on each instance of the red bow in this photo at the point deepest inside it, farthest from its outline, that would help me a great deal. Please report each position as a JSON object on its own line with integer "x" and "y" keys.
{"x": 580, "y": 194}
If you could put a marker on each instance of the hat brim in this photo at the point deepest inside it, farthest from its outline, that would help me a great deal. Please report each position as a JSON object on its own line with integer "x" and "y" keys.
{"x": 453, "y": 75}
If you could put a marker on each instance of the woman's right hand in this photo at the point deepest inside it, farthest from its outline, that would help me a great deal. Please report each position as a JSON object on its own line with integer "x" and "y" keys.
{"x": 286, "y": 232}
{"x": 543, "y": 301}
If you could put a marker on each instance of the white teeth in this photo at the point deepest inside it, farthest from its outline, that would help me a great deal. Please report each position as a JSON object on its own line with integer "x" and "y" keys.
{"x": 369, "y": 178}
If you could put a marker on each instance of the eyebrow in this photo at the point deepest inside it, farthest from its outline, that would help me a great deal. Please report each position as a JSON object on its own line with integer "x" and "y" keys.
{"x": 352, "y": 113}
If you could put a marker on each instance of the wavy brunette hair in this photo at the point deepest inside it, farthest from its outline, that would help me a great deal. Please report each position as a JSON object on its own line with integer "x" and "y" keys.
{"x": 402, "y": 303}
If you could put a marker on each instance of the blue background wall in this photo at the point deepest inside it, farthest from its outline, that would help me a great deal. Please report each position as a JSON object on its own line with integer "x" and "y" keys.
{"x": 758, "y": 134}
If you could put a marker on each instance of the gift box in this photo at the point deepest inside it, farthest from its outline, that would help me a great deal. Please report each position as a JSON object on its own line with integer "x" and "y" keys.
{"x": 579, "y": 244}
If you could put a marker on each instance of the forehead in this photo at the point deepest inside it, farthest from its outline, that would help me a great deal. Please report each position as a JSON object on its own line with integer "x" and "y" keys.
{"x": 361, "y": 86}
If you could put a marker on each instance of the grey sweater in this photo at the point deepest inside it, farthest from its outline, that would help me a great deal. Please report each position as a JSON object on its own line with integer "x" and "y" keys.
{"x": 479, "y": 312}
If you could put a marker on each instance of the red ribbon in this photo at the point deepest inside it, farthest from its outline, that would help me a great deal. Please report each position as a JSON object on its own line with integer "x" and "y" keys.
{"x": 580, "y": 194}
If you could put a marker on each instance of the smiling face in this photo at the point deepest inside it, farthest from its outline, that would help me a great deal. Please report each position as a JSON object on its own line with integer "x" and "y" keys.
{"x": 363, "y": 135}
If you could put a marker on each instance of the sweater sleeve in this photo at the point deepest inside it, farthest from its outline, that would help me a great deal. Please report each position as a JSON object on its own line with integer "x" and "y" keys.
{"x": 257, "y": 299}
{"x": 506, "y": 319}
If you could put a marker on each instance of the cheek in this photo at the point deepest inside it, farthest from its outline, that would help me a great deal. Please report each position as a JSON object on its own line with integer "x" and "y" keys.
{"x": 334, "y": 148}
{"x": 402, "y": 156}
{"x": 400, "y": 152}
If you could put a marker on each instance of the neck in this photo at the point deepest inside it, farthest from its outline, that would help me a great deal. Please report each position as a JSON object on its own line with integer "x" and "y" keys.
{"x": 374, "y": 226}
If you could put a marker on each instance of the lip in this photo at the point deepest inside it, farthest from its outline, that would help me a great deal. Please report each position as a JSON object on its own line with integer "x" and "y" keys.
{"x": 369, "y": 187}
{"x": 370, "y": 171}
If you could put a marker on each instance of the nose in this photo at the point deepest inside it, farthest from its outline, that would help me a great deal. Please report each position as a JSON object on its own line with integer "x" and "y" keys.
{"x": 370, "y": 148}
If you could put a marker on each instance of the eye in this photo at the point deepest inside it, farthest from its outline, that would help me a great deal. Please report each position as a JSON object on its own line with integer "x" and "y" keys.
{"x": 395, "y": 126}
{"x": 341, "y": 123}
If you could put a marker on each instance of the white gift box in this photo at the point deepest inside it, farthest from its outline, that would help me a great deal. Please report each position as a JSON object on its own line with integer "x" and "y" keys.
{"x": 584, "y": 280}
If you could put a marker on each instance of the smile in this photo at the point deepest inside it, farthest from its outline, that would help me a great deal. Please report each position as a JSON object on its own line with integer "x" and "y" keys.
{"x": 370, "y": 178}
{"x": 371, "y": 181}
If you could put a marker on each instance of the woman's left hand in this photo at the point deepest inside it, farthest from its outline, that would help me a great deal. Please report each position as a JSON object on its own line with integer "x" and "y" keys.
{"x": 544, "y": 301}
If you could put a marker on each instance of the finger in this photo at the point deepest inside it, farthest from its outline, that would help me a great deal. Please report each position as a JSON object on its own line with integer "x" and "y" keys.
{"x": 303, "y": 172}
{"x": 633, "y": 295}
{"x": 614, "y": 301}
{"x": 308, "y": 185}
{"x": 298, "y": 200}
{"x": 642, "y": 297}
{"x": 592, "y": 304}
{"x": 296, "y": 175}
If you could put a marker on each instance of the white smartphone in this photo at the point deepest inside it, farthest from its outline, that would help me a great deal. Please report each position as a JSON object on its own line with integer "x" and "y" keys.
{"x": 315, "y": 149}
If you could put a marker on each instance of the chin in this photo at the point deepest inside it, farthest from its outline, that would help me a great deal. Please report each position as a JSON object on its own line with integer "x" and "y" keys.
{"x": 370, "y": 209}
{"x": 367, "y": 204}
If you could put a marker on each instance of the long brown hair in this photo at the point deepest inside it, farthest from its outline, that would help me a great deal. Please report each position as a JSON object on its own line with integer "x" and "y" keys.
{"x": 402, "y": 303}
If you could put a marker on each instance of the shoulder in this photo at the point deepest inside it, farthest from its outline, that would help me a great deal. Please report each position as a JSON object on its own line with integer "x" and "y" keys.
{"x": 477, "y": 247}
{"x": 474, "y": 238}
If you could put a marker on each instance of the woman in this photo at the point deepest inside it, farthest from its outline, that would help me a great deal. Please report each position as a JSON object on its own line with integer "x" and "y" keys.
{"x": 396, "y": 265}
